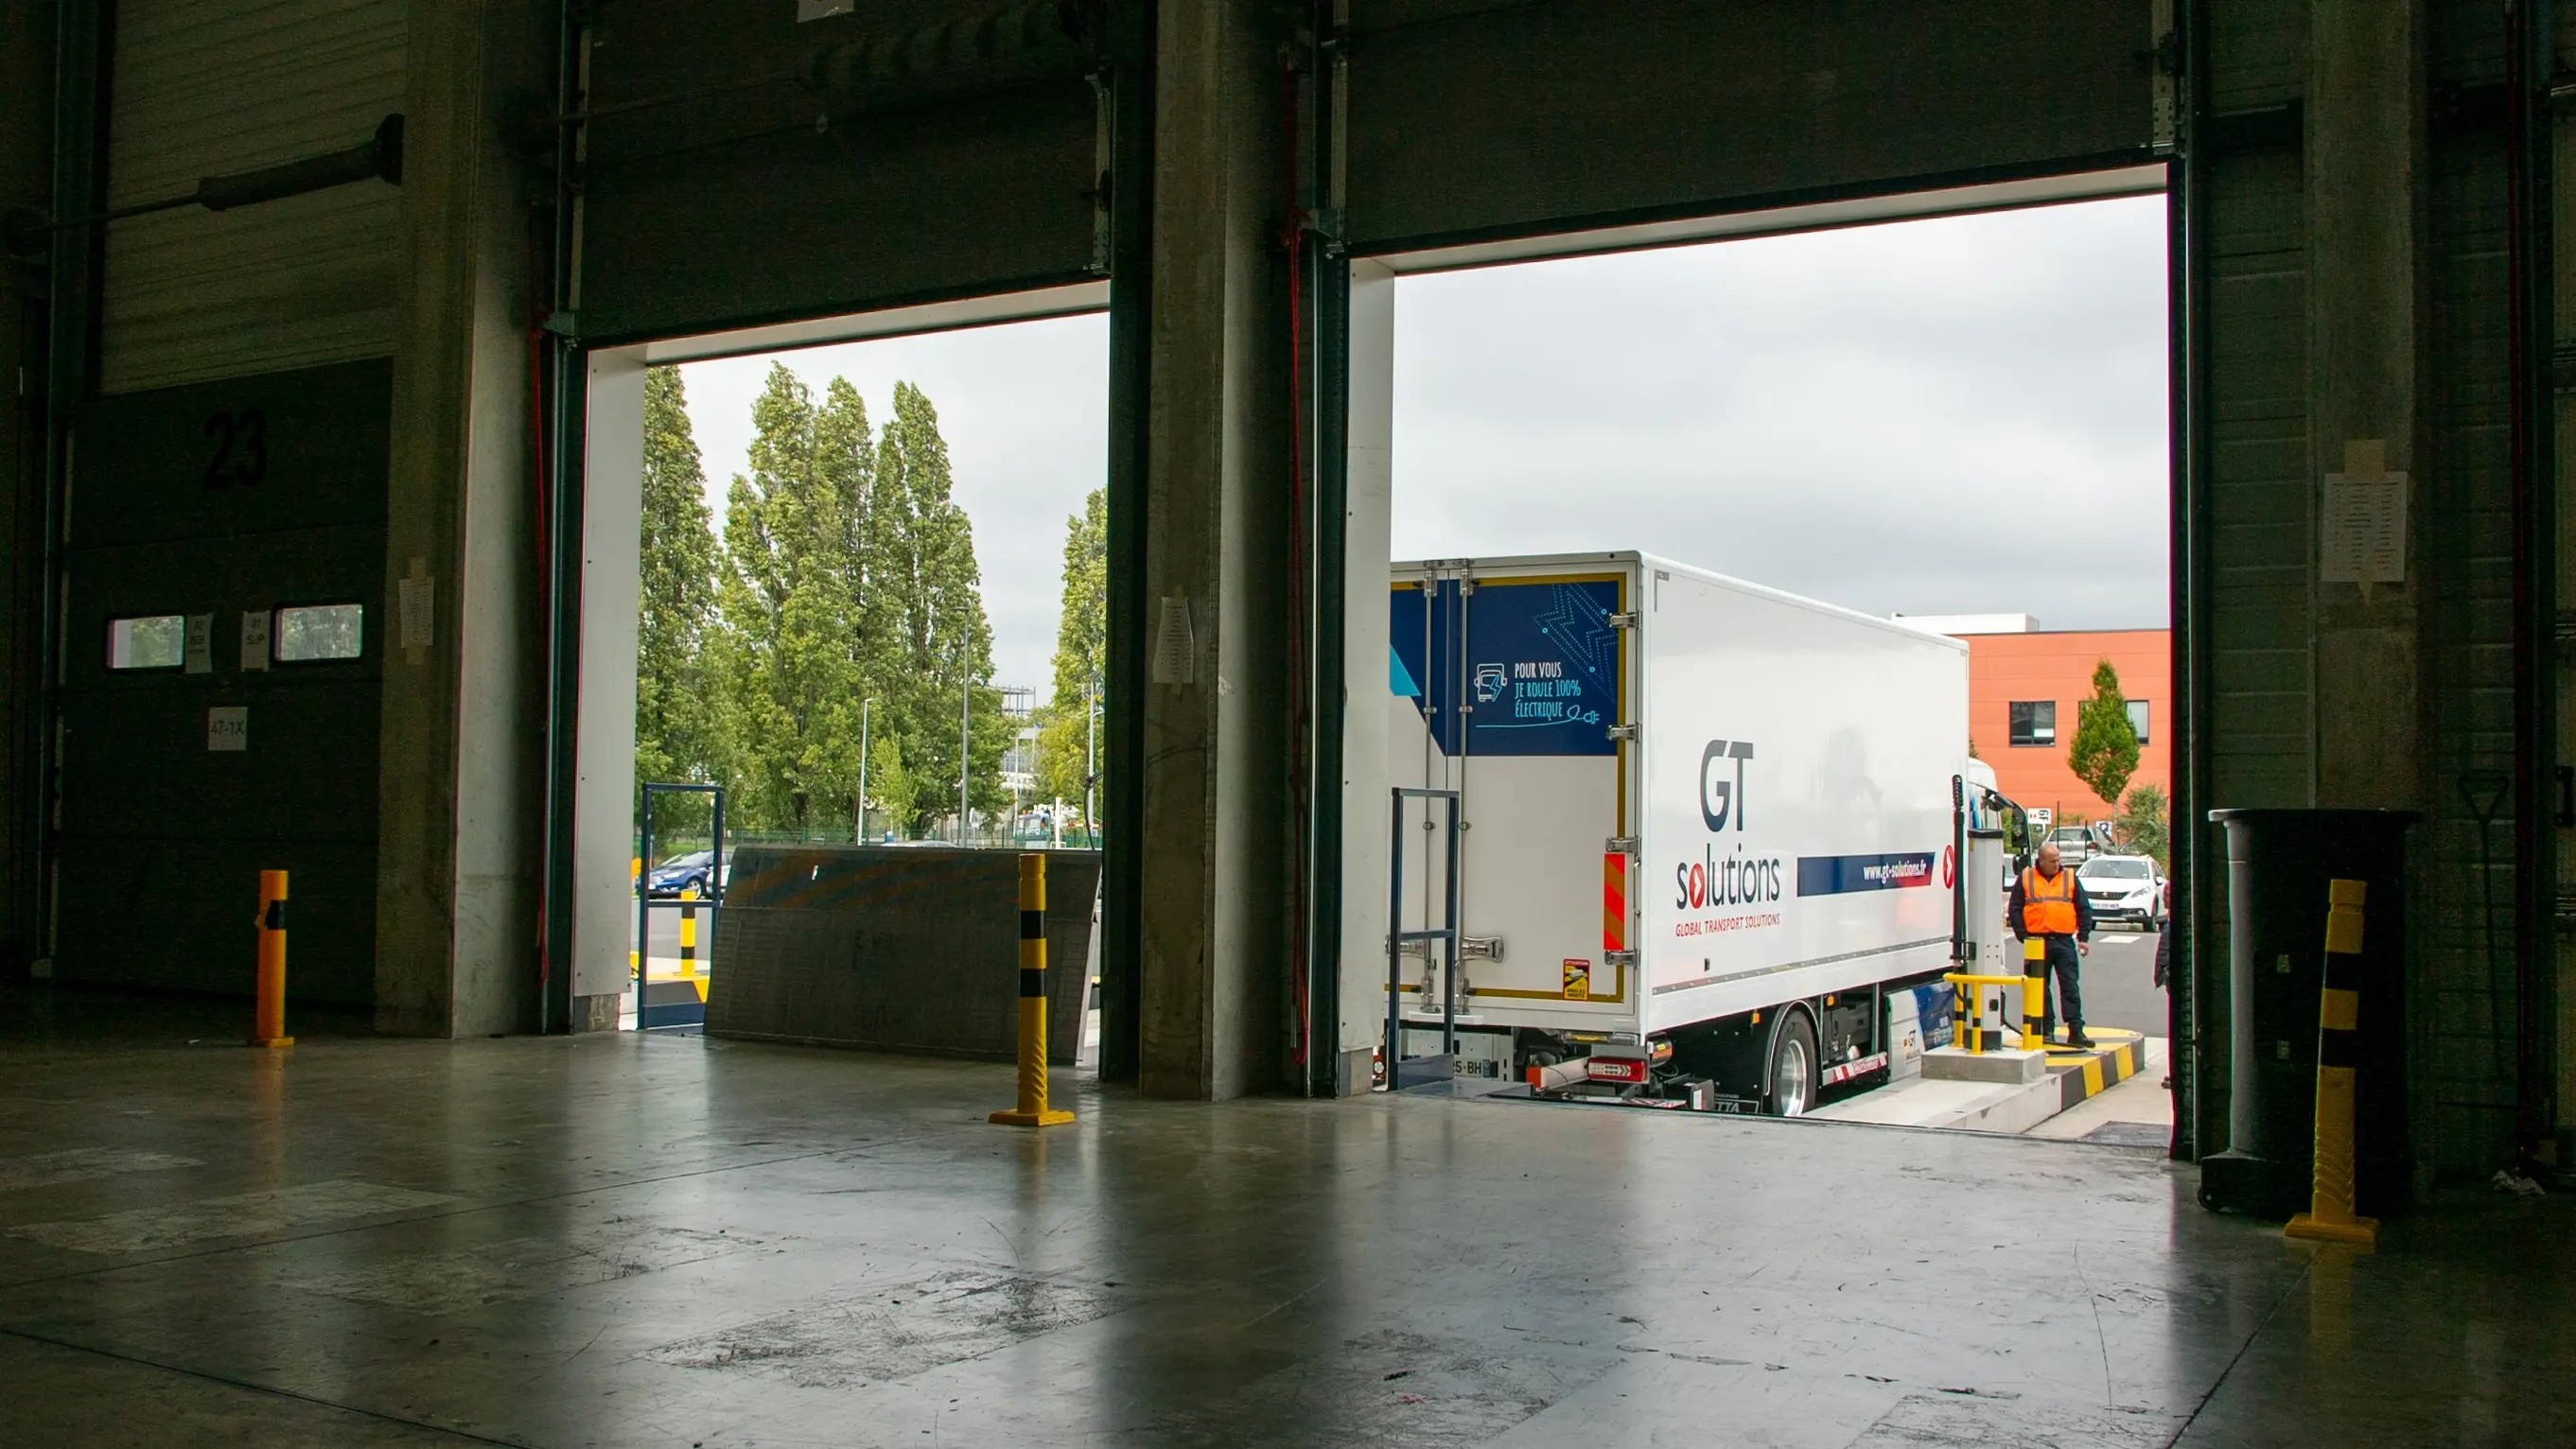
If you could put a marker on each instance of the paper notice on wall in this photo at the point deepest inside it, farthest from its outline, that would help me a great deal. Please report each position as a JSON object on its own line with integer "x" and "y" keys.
{"x": 1175, "y": 644}
{"x": 2365, "y": 520}
{"x": 254, "y": 639}
{"x": 416, "y": 596}
{"x": 201, "y": 644}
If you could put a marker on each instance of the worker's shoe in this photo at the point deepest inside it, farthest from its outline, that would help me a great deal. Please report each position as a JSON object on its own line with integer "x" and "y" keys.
{"x": 2076, "y": 1038}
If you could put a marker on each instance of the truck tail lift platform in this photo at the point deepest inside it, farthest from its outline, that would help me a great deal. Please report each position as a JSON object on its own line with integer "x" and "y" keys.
{"x": 1703, "y": 838}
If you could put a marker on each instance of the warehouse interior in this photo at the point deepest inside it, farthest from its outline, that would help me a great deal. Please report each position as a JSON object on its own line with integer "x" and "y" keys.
{"x": 344, "y": 307}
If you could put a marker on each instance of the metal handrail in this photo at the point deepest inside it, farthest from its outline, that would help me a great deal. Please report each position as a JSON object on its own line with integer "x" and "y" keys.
{"x": 1968, "y": 1034}
{"x": 1397, "y": 937}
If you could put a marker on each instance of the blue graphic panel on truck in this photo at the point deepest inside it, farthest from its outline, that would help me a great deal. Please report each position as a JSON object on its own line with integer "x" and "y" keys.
{"x": 1834, "y": 875}
{"x": 1532, "y": 668}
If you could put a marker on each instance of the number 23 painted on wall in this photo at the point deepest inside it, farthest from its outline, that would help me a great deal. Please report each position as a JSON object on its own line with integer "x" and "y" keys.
{"x": 241, "y": 452}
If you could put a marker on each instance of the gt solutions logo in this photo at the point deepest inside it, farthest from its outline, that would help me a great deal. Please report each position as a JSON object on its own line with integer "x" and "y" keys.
{"x": 1734, "y": 879}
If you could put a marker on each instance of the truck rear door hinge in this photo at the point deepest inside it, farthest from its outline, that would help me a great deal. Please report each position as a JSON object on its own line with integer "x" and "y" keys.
{"x": 1619, "y": 958}
{"x": 1625, "y": 619}
{"x": 1619, "y": 845}
{"x": 1623, "y": 732}
{"x": 1487, "y": 948}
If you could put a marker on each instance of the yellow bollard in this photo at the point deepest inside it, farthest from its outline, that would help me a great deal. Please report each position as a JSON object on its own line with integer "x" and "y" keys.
{"x": 2330, "y": 1215}
{"x": 1032, "y": 1110}
{"x": 2034, "y": 1012}
{"x": 268, "y": 1014}
{"x": 688, "y": 933}
{"x": 2034, "y": 978}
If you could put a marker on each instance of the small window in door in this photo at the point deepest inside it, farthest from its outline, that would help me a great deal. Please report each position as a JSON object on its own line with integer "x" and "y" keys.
{"x": 2034, "y": 722}
{"x": 149, "y": 641}
{"x": 316, "y": 633}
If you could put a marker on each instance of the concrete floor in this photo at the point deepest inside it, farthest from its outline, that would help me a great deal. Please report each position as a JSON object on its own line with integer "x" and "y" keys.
{"x": 667, "y": 1241}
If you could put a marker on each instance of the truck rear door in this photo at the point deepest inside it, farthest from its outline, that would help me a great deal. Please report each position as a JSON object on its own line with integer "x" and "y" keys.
{"x": 1507, "y": 688}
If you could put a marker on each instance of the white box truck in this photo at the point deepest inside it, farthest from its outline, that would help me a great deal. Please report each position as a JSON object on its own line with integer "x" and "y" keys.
{"x": 1703, "y": 827}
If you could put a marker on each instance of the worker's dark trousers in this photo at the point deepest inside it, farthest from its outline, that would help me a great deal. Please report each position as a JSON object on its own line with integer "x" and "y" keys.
{"x": 2069, "y": 996}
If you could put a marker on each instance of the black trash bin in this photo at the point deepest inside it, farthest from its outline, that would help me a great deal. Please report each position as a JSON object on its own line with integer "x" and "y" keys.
{"x": 2279, "y": 863}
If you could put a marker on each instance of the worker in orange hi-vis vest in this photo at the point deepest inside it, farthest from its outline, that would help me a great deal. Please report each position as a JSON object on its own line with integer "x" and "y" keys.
{"x": 2047, "y": 906}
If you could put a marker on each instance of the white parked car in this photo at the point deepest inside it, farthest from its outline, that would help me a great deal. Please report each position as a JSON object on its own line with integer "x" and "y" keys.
{"x": 2123, "y": 888}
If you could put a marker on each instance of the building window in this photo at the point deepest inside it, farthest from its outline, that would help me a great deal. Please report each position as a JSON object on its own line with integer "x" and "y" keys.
{"x": 155, "y": 641}
{"x": 2034, "y": 721}
{"x": 320, "y": 632}
{"x": 2138, "y": 718}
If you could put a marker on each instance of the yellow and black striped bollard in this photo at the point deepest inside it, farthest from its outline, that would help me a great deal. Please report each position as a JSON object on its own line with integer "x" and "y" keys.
{"x": 2330, "y": 1214}
{"x": 2034, "y": 993}
{"x": 1032, "y": 1110}
{"x": 268, "y": 1009}
{"x": 688, "y": 933}
{"x": 2034, "y": 1000}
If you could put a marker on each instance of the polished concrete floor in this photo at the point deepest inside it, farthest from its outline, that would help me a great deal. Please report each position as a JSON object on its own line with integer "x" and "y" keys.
{"x": 615, "y": 1241}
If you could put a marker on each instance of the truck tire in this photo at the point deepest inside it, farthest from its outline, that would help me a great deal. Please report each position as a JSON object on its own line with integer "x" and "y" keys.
{"x": 1789, "y": 1086}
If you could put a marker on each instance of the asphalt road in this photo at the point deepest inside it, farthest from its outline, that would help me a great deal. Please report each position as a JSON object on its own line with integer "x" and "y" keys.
{"x": 666, "y": 931}
{"x": 2120, "y": 981}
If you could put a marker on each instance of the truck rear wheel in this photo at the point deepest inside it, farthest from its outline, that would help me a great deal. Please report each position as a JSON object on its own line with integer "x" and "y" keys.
{"x": 1791, "y": 1082}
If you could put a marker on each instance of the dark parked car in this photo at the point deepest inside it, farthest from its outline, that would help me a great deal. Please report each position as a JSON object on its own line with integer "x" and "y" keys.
{"x": 681, "y": 872}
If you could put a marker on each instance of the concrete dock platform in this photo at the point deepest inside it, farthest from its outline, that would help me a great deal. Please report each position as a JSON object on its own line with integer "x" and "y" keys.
{"x": 671, "y": 1241}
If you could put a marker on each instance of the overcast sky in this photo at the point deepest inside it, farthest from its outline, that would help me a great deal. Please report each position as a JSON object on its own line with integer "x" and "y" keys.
{"x": 1950, "y": 416}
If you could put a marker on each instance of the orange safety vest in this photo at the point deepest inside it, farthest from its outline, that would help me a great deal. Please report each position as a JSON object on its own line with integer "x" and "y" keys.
{"x": 2047, "y": 907}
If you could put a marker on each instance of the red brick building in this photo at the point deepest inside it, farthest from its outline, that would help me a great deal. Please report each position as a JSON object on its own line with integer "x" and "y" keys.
{"x": 2024, "y": 684}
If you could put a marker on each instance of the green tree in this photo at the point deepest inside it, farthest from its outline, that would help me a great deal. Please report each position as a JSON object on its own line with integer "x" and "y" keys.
{"x": 679, "y": 715}
{"x": 888, "y": 780}
{"x": 796, "y": 666}
{"x": 2144, "y": 823}
{"x": 2105, "y": 750}
{"x": 1065, "y": 733}
{"x": 925, "y": 590}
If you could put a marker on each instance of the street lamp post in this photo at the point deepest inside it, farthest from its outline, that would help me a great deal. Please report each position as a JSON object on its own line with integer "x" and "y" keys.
{"x": 1090, "y": 755}
{"x": 965, "y": 766}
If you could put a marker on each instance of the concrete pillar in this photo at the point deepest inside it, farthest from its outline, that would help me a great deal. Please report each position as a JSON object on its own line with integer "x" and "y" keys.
{"x": 612, "y": 589}
{"x": 26, "y": 180}
{"x": 2366, "y": 172}
{"x": 1213, "y": 928}
{"x": 462, "y": 774}
{"x": 1368, "y": 539}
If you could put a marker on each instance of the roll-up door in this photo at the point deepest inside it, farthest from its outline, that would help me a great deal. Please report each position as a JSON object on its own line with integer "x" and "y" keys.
{"x": 1476, "y": 121}
{"x": 209, "y": 87}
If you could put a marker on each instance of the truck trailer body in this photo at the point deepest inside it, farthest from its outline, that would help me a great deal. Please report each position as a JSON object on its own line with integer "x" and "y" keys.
{"x": 1701, "y": 822}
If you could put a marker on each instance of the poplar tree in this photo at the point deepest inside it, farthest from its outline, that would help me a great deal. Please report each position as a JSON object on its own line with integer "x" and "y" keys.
{"x": 924, "y": 588}
{"x": 679, "y": 715}
{"x": 1064, "y": 739}
{"x": 794, "y": 661}
{"x": 2104, "y": 753}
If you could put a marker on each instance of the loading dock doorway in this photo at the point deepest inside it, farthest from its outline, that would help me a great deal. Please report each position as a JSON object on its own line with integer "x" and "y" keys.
{"x": 1542, "y": 386}
{"x": 833, "y": 568}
